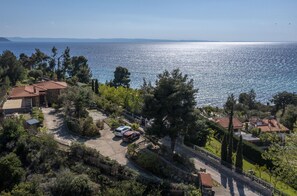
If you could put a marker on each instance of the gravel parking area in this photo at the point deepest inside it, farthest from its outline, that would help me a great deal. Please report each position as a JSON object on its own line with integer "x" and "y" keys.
{"x": 107, "y": 144}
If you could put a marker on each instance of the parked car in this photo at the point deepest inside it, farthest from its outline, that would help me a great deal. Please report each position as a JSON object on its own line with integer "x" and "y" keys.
{"x": 121, "y": 130}
{"x": 130, "y": 136}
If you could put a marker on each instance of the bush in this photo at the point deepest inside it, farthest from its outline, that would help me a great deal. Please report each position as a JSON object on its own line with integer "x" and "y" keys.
{"x": 83, "y": 126}
{"x": 135, "y": 126}
{"x": 100, "y": 124}
{"x": 37, "y": 114}
{"x": 114, "y": 123}
{"x": 150, "y": 162}
{"x": 11, "y": 171}
{"x": 68, "y": 183}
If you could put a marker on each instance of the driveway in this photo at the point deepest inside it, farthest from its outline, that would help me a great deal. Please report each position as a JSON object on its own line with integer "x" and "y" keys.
{"x": 107, "y": 144}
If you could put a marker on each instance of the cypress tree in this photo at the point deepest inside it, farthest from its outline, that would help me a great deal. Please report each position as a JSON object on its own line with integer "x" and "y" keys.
{"x": 224, "y": 148}
{"x": 93, "y": 86}
{"x": 239, "y": 156}
{"x": 96, "y": 87}
{"x": 231, "y": 101}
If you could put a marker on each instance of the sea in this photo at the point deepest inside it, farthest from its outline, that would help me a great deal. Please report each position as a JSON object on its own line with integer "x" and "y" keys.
{"x": 217, "y": 68}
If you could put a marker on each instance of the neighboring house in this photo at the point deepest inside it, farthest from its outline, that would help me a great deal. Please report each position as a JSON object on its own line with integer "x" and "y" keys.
{"x": 39, "y": 94}
{"x": 270, "y": 125}
{"x": 205, "y": 183}
{"x": 224, "y": 122}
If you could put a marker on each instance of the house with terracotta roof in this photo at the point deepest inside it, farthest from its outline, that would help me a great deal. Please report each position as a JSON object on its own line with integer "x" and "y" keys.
{"x": 40, "y": 94}
{"x": 224, "y": 122}
{"x": 268, "y": 125}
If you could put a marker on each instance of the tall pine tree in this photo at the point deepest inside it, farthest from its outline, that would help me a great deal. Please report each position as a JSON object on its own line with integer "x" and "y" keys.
{"x": 239, "y": 156}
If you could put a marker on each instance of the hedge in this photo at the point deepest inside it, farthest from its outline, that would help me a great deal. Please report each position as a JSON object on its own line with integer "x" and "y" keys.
{"x": 250, "y": 151}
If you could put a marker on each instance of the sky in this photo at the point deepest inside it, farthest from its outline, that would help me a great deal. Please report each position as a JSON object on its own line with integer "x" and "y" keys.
{"x": 216, "y": 20}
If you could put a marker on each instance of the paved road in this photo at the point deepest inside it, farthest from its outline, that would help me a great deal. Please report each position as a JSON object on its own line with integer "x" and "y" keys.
{"x": 232, "y": 183}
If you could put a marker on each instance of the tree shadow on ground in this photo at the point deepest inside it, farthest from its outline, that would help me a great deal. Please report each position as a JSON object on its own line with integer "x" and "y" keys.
{"x": 240, "y": 189}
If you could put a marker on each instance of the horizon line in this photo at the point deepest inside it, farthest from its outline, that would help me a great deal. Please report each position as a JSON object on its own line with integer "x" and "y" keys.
{"x": 131, "y": 39}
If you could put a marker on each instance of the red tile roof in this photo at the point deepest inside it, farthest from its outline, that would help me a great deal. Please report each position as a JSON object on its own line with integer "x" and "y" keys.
{"x": 49, "y": 85}
{"x": 269, "y": 125}
{"x": 22, "y": 91}
{"x": 205, "y": 179}
{"x": 35, "y": 89}
{"x": 224, "y": 122}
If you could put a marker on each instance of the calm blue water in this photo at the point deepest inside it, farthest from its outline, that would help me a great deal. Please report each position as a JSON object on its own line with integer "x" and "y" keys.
{"x": 218, "y": 69}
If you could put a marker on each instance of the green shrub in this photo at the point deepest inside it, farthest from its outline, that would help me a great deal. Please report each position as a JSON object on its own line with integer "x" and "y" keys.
{"x": 100, "y": 124}
{"x": 68, "y": 183}
{"x": 150, "y": 162}
{"x": 114, "y": 123}
{"x": 83, "y": 126}
{"x": 37, "y": 114}
{"x": 135, "y": 126}
{"x": 11, "y": 171}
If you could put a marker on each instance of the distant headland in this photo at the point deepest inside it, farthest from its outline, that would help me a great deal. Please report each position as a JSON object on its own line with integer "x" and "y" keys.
{"x": 3, "y": 39}
{"x": 103, "y": 40}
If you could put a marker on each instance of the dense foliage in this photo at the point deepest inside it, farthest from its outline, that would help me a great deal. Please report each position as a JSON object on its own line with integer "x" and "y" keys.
{"x": 284, "y": 159}
{"x": 75, "y": 101}
{"x": 29, "y": 69}
{"x": 31, "y": 165}
{"x": 170, "y": 103}
{"x": 121, "y": 77}
{"x": 114, "y": 100}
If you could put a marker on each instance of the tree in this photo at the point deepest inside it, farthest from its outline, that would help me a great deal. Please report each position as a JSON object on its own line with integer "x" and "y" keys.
{"x": 52, "y": 61}
{"x": 248, "y": 99}
{"x": 66, "y": 63}
{"x": 93, "y": 85}
{"x": 40, "y": 60}
{"x": 289, "y": 119}
{"x": 11, "y": 68}
{"x": 239, "y": 156}
{"x": 284, "y": 157}
{"x": 24, "y": 189}
{"x": 198, "y": 133}
{"x": 69, "y": 184}
{"x": 121, "y": 77}
{"x": 11, "y": 171}
{"x": 224, "y": 149}
{"x": 76, "y": 97}
{"x": 170, "y": 103}
{"x": 12, "y": 130}
{"x": 80, "y": 69}
{"x": 283, "y": 99}
{"x": 96, "y": 87}
{"x": 230, "y": 107}
{"x": 35, "y": 73}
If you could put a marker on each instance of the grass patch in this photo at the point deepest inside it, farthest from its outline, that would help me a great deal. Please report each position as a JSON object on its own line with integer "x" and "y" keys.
{"x": 214, "y": 147}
